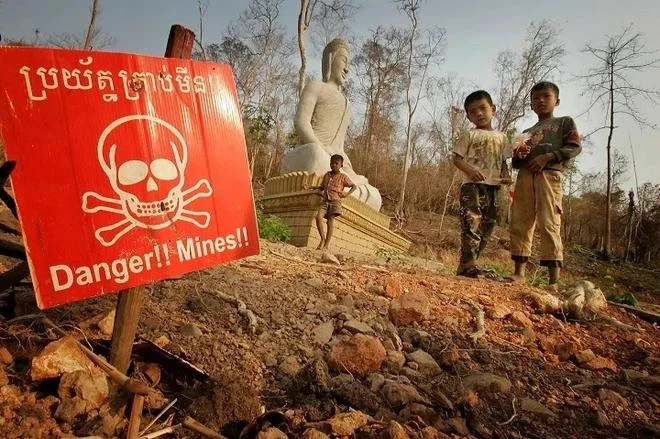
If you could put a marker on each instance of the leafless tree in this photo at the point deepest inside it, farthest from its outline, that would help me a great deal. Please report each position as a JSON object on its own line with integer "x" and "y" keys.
{"x": 333, "y": 13}
{"x": 202, "y": 7}
{"x": 423, "y": 49}
{"x": 93, "y": 38}
{"x": 610, "y": 84}
{"x": 517, "y": 72}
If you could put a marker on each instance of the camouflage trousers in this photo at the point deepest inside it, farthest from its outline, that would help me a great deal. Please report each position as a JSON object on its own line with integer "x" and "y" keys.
{"x": 479, "y": 210}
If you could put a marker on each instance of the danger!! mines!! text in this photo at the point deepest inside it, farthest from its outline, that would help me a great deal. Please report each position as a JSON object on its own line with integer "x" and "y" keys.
{"x": 64, "y": 276}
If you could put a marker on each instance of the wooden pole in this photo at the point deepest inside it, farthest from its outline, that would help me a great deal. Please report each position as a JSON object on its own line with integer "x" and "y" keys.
{"x": 129, "y": 303}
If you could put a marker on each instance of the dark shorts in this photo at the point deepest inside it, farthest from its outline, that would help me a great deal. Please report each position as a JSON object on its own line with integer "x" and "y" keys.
{"x": 331, "y": 208}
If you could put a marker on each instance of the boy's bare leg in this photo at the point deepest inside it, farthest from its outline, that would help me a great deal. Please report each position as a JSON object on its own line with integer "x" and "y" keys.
{"x": 331, "y": 226}
{"x": 319, "y": 226}
{"x": 518, "y": 275}
{"x": 553, "y": 275}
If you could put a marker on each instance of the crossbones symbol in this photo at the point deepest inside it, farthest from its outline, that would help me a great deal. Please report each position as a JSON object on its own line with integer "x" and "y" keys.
{"x": 149, "y": 193}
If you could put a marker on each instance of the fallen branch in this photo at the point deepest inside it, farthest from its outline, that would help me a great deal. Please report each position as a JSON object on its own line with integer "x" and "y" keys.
{"x": 162, "y": 432}
{"x": 242, "y": 310}
{"x": 614, "y": 322}
{"x": 136, "y": 416}
{"x": 14, "y": 275}
{"x": 513, "y": 416}
{"x": 195, "y": 426}
{"x": 158, "y": 416}
{"x": 12, "y": 249}
{"x": 478, "y": 314}
{"x": 301, "y": 261}
{"x": 641, "y": 313}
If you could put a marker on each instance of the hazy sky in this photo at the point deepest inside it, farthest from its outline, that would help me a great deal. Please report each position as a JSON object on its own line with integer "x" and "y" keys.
{"x": 476, "y": 32}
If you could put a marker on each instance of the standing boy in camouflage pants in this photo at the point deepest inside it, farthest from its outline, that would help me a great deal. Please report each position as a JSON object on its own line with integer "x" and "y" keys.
{"x": 481, "y": 154}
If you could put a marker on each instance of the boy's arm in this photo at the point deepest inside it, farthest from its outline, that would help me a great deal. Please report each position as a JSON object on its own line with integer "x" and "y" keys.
{"x": 472, "y": 173}
{"x": 348, "y": 183}
{"x": 570, "y": 148}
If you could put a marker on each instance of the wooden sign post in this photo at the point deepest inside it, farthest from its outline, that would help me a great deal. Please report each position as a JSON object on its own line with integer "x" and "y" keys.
{"x": 129, "y": 302}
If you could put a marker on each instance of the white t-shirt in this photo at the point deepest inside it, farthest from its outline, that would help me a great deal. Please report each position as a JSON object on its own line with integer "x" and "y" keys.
{"x": 484, "y": 150}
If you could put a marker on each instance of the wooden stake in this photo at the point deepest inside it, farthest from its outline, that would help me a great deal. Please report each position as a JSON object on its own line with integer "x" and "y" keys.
{"x": 132, "y": 432}
{"x": 129, "y": 303}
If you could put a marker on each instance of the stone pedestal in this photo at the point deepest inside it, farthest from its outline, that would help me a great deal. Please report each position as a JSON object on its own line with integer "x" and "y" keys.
{"x": 360, "y": 230}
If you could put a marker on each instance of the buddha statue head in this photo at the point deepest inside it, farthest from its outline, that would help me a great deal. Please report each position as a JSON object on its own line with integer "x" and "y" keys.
{"x": 334, "y": 63}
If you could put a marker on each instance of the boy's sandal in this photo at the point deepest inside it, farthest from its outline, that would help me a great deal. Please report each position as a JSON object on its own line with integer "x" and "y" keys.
{"x": 473, "y": 272}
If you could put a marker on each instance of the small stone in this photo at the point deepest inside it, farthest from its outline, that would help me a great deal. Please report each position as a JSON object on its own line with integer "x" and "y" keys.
{"x": 270, "y": 360}
{"x": 271, "y": 433}
{"x": 487, "y": 382}
{"x": 394, "y": 360}
{"x": 348, "y": 301}
{"x": 375, "y": 381}
{"x": 399, "y": 394}
{"x": 70, "y": 408}
{"x": 612, "y": 399}
{"x": 449, "y": 358}
{"x": 162, "y": 341}
{"x": 529, "y": 335}
{"x": 312, "y": 433}
{"x": 314, "y": 282}
{"x": 535, "y": 407}
{"x": 546, "y": 344}
{"x": 5, "y": 357}
{"x": 90, "y": 386}
{"x": 357, "y": 327}
{"x": 394, "y": 430}
{"x": 469, "y": 399}
{"x": 552, "y": 358}
{"x": 459, "y": 426}
{"x": 59, "y": 357}
{"x": 486, "y": 300}
{"x": 409, "y": 308}
{"x": 345, "y": 424}
{"x": 566, "y": 350}
{"x": 190, "y": 330}
{"x": 600, "y": 363}
{"x": 376, "y": 289}
{"x": 323, "y": 333}
{"x": 602, "y": 420}
{"x": 290, "y": 366}
{"x": 330, "y": 297}
{"x": 355, "y": 394}
{"x": 107, "y": 323}
{"x": 359, "y": 355}
{"x": 430, "y": 433}
{"x": 584, "y": 356}
{"x": 426, "y": 364}
{"x": 4, "y": 379}
{"x": 497, "y": 312}
{"x": 392, "y": 287}
{"x": 519, "y": 319}
{"x": 329, "y": 258}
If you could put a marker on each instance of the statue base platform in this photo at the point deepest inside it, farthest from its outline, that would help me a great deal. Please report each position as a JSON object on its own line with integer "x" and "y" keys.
{"x": 360, "y": 230}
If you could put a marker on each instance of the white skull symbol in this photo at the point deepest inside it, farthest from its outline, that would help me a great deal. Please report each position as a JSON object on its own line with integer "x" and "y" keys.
{"x": 150, "y": 191}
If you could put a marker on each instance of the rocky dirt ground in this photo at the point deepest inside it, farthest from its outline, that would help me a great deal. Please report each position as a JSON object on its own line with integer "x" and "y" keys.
{"x": 374, "y": 347}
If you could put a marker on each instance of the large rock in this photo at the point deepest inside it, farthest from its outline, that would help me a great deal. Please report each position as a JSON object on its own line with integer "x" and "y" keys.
{"x": 600, "y": 363}
{"x": 487, "y": 382}
{"x": 497, "y": 312}
{"x": 59, "y": 357}
{"x": 409, "y": 308}
{"x": 427, "y": 365}
{"x": 359, "y": 355}
{"x": 394, "y": 360}
{"x": 612, "y": 399}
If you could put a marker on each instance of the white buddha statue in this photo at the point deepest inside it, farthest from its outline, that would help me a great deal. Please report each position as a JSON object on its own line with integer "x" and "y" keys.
{"x": 322, "y": 117}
